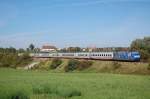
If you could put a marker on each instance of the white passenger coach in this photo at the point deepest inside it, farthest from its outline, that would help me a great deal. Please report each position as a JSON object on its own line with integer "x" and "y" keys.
{"x": 86, "y": 55}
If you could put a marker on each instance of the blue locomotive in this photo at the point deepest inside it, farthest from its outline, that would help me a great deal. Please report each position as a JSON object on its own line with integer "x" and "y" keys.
{"x": 127, "y": 56}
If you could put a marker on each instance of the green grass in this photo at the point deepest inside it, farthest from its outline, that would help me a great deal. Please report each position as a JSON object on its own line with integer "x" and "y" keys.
{"x": 19, "y": 84}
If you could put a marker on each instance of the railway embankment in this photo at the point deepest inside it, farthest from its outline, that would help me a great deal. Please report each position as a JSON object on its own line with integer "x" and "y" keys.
{"x": 93, "y": 66}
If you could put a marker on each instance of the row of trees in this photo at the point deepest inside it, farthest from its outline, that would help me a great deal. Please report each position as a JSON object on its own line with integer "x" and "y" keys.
{"x": 13, "y": 60}
{"x": 31, "y": 48}
{"x": 10, "y": 57}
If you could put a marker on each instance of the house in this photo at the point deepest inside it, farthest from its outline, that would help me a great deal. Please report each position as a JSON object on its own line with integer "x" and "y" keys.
{"x": 48, "y": 48}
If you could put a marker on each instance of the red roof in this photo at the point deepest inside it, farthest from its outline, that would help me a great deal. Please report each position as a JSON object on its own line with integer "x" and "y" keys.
{"x": 48, "y": 47}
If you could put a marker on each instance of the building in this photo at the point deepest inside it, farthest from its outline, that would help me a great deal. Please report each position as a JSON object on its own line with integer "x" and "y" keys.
{"x": 48, "y": 48}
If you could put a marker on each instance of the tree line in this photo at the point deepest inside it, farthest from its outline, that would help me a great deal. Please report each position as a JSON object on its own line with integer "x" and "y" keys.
{"x": 11, "y": 57}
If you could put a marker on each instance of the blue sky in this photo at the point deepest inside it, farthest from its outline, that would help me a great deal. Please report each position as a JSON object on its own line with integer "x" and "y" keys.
{"x": 101, "y": 23}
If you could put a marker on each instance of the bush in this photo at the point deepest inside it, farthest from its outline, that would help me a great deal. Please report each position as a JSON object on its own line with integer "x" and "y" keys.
{"x": 72, "y": 65}
{"x": 13, "y": 60}
{"x": 55, "y": 63}
{"x": 77, "y": 65}
{"x": 116, "y": 65}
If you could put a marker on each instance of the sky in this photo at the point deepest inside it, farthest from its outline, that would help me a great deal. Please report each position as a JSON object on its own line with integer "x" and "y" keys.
{"x": 64, "y": 23}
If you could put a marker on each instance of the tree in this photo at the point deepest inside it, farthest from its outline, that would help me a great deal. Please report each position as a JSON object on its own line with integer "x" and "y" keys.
{"x": 31, "y": 47}
{"x": 73, "y": 49}
{"x": 21, "y": 50}
{"x": 143, "y": 46}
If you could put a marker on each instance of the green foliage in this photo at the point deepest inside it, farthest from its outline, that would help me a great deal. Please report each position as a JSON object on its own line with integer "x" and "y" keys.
{"x": 74, "y": 49}
{"x": 72, "y": 65}
{"x": 8, "y": 50}
{"x": 13, "y": 60}
{"x": 55, "y": 63}
{"x": 21, "y": 50}
{"x": 143, "y": 46}
{"x": 31, "y": 47}
{"x": 116, "y": 65}
{"x": 77, "y": 65}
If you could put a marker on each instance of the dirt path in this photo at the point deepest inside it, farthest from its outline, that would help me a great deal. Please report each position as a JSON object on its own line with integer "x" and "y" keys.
{"x": 31, "y": 65}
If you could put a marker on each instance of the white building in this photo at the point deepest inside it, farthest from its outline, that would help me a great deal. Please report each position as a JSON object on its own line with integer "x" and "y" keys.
{"x": 48, "y": 48}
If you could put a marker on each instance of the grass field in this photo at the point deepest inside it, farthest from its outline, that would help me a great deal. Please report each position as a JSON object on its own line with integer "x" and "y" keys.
{"x": 19, "y": 84}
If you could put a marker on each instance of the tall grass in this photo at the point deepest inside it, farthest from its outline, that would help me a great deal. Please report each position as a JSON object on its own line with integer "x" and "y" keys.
{"x": 55, "y": 89}
{"x": 45, "y": 85}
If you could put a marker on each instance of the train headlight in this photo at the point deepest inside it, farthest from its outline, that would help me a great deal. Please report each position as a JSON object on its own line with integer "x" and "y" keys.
{"x": 137, "y": 56}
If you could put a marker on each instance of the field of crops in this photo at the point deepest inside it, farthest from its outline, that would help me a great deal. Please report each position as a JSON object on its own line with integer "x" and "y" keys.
{"x": 19, "y": 84}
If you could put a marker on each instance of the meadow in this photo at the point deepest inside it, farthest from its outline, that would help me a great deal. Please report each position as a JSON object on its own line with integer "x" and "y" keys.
{"x": 21, "y": 84}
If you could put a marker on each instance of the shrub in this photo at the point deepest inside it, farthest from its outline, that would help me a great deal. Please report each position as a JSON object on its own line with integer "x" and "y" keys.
{"x": 13, "y": 60}
{"x": 55, "y": 63}
{"x": 116, "y": 65}
{"x": 72, "y": 65}
{"x": 78, "y": 65}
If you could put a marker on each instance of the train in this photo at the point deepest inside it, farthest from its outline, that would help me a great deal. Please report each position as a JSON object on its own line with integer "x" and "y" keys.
{"x": 117, "y": 56}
